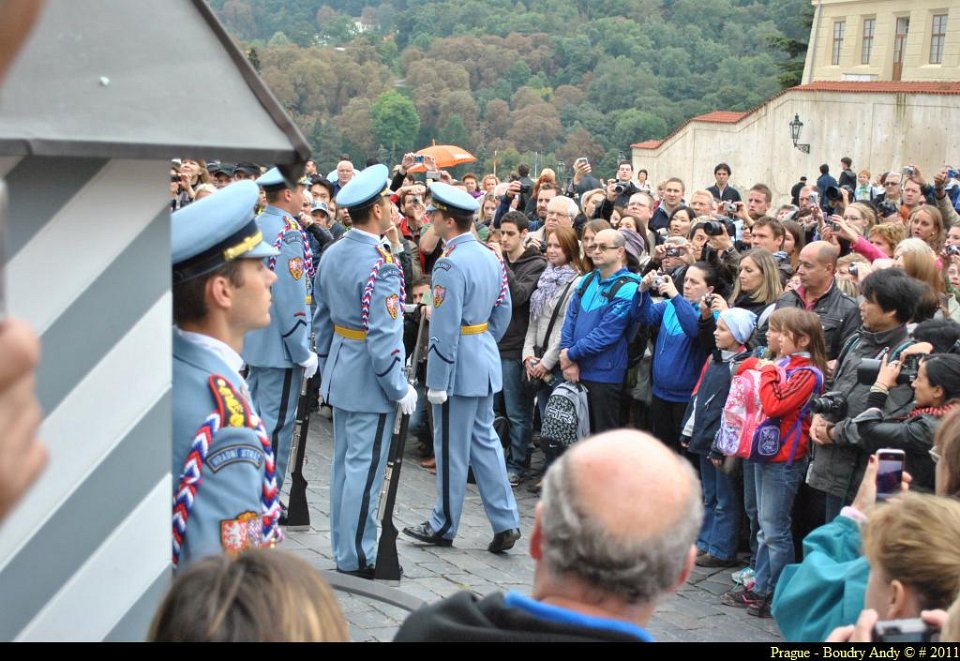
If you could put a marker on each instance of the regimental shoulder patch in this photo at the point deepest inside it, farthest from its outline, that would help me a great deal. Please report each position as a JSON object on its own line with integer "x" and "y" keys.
{"x": 439, "y": 295}
{"x": 242, "y": 533}
{"x": 233, "y": 408}
{"x": 393, "y": 306}
{"x": 296, "y": 267}
{"x": 387, "y": 256}
{"x": 234, "y": 454}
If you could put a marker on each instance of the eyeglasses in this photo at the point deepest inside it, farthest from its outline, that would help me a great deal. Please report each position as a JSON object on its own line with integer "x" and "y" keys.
{"x": 892, "y": 183}
{"x": 603, "y": 248}
{"x": 934, "y": 455}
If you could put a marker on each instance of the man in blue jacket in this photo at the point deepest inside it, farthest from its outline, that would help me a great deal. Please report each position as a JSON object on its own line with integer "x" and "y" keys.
{"x": 593, "y": 343}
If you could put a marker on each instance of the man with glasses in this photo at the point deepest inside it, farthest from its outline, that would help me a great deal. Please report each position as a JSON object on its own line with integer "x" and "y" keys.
{"x": 593, "y": 344}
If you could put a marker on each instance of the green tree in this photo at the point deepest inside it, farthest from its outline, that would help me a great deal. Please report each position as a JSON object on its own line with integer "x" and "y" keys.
{"x": 395, "y": 121}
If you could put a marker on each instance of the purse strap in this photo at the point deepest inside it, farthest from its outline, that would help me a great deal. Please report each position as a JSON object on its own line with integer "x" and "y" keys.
{"x": 556, "y": 312}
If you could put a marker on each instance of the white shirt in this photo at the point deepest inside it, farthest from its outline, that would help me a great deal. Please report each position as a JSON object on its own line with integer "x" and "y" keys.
{"x": 222, "y": 349}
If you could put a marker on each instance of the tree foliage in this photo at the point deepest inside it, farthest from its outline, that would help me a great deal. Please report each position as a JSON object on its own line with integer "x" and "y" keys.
{"x": 514, "y": 80}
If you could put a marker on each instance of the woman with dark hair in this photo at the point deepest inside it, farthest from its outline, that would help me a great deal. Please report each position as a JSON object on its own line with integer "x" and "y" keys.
{"x": 680, "y": 221}
{"x": 936, "y": 389}
{"x": 678, "y": 355}
{"x": 794, "y": 239}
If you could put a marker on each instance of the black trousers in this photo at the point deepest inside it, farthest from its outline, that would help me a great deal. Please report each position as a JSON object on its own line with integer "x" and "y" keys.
{"x": 665, "y": 420}
{"x": 604, "y": 399}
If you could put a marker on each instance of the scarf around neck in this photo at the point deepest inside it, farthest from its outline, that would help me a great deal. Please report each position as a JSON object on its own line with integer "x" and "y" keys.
{"x": 551, "y": 280}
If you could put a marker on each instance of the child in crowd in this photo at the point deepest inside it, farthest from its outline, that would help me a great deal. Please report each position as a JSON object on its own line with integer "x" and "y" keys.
{"x": 719, "y": 534}
{"x": 786, "y": 389}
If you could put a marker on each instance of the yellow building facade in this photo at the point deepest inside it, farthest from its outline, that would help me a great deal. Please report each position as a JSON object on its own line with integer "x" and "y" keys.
{"x": 884, "y": 40}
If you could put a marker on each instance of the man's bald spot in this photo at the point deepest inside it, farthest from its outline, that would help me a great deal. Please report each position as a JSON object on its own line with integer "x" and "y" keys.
{"x": 614, "y": 238}
{"x": 630, "y": 483}
{"x": 823, "y": 252}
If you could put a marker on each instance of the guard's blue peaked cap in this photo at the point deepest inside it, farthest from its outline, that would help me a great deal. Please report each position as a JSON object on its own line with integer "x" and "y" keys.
{"x": 272, "y": 178}
{"x": 216, "y": 230}
{"x": 447, "y": 198}
{"x": 365, "y": 187}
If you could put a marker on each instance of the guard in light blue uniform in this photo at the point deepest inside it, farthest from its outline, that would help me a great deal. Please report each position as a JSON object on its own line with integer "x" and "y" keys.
{"x": 276, "y": 354}
{"x": 471, "y": 311}
{"x": 225, "y": 492}
{"x": 359, "y": 333}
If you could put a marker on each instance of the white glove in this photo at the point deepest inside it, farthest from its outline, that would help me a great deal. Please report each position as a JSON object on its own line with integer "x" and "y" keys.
{"x": 436, "y": 396}
{"x": 408, "y": 403}
{"x": 309, "y": 366}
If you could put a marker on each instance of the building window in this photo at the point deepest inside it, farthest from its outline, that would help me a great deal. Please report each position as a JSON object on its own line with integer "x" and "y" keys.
{"x": 868, "y": 27}
{"x": 937, "y": 36}
{"x": 838, "y": 28}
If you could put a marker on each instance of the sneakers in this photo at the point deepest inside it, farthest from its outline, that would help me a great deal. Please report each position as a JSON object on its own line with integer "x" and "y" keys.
{"x": 741, "y": 598}
{"x": 707, "y": 560}
{"x": 514, "y": 479}
{"x": 743, "y": 576}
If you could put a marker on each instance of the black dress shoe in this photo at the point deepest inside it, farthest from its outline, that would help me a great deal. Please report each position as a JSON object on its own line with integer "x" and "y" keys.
{"x": 363, "y": 572}
{"x": 368, "y": 572}
{"x": 425, "y": 534}
{"x": 504, "y": 540}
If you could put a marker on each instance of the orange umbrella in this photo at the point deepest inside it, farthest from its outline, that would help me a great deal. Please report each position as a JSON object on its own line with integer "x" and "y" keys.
{"x": 446, "y": 156}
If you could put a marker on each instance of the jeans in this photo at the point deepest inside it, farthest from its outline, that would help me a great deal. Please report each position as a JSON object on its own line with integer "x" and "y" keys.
{"x": 720, "y": 531}
{"x": 750, "y": 506}
{"x": 777, "y": 485}
{"x": 518, "y": 408}
{"x": 833, "y": 506}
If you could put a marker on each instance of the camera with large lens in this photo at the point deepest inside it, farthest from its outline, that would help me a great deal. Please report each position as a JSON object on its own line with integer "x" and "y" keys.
{"x": 622, "y": 187}
{"x": 887, "y": 208}
{"x": 831, "y": 405}
{"x": 869, "y": 368}
{"x": 712, "y": 228}
{"x": 953, "y": 250}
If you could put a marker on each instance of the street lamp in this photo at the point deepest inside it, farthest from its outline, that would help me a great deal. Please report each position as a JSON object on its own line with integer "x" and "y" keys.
{"x": 795, "y": 127}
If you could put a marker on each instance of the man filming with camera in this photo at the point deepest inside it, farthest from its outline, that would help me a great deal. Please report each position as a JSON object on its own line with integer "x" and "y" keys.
{"x": 890, "y": 297}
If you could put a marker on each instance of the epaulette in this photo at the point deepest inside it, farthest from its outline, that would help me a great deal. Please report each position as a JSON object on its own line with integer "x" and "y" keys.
{"x": 233, "y": 409}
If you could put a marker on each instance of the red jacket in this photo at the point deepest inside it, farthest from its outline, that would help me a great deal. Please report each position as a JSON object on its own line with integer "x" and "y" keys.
{"x": 784, "y": 400}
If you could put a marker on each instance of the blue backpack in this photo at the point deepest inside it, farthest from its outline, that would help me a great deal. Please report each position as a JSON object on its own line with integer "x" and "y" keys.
{"x": 767, "y": 439}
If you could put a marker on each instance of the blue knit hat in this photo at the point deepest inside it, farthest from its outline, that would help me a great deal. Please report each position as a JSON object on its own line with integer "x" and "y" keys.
{"x": 741, "y": 323}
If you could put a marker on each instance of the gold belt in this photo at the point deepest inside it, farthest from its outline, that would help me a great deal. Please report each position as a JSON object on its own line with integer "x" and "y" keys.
{"x": 350, "y": 333}
{"x": 475, "y": 329}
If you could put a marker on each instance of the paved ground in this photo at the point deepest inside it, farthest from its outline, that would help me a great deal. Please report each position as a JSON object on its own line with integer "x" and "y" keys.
{"x": 695, "y": 614}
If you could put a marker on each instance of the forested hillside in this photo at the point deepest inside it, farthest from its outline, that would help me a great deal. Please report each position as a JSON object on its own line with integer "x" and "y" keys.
{"x": 541, "y": 80}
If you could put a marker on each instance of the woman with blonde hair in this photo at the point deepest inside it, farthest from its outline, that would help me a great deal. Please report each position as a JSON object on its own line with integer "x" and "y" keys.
{"x": 919, "y": 261}
{"x": 926, "y": 222}
{"x": 264, "y": 595}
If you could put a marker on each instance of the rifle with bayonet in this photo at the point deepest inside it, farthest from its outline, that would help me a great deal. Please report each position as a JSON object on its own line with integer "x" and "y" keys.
{"x": 388, "y": 564}
{"x": 298, "y": 513}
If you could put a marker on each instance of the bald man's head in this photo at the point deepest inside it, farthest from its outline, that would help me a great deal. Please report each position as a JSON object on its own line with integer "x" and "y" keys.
{"x": 620, "y": 512}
